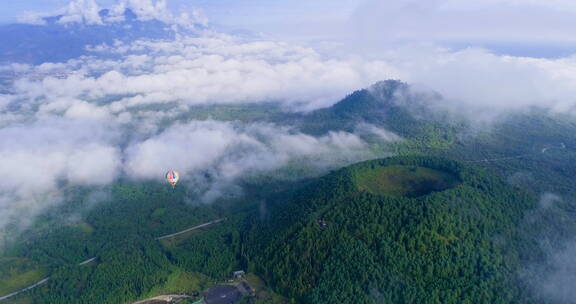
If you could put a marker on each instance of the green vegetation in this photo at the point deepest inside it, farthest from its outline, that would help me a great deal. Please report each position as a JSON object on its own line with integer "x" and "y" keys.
{"x": 390, "y": 105}
{"x": 121, "y": 231}
{"x": 264, "y": 295}
{"x": 232, "y": 112}
{"x": 179, "y": 239}
{"x": 409, "y": 181}
{"x": 20, "y": 299}
{"x": 436, "y": 225}
{"x": 18, "y": 273}
{"x": 158, "y": 213}
{"x": 179, "y": 282}
{"x": 439, "y": 248}
{"x": 213, "y": 253}
{"x": 85, "y": 227}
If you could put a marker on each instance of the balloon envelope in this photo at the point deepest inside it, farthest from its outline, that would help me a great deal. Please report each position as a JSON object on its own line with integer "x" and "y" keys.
{"x": 172, "y": 177}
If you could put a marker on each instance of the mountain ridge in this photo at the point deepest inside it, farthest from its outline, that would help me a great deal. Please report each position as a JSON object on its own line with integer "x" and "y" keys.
{"x": 55, "y": 41}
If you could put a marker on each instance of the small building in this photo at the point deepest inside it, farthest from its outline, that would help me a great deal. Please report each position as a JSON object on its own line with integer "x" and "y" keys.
{"x": 238, "y": 274}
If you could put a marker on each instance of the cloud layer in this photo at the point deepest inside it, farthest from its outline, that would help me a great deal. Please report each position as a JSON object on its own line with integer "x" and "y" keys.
{"x": 88, "y": 12}
{"x": 221, "y": 69}
{"x": 473, "y": 80}
{"x": 93, "y": 120}
{"x": 123, "y": 104}
{"x": 121, "y": 113}
{"x": 40, "y": 158}
{"x": 211, "y": 69}
{"x": 456, "y": 20}
{"x": 216, "y": 154}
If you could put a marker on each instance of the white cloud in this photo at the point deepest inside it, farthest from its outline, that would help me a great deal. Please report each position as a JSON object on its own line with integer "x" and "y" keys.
{"x": 383, "y": 134}
{"x": 85, "y": 110}
{"x": 231, "y": 150}
{"x": 89, "y": 128}
{"x": 478, "y": 82}
{"x": 470, "y": 21}
{"x": 548, "y": 200}
{"x": 217, "y": 68}
{"x": 33, "y": 18}
{"x": 151, "y": 83}
{"x": 146, "y": 10}
{"x": 94, "y": 164}
{"x": 88, "y": 12}
{"x": 36, "y": 158}
{"x": 82, "y": 11}
{"x": 212, "y": 69}
{"x": 554, "y": 280}
{"x": 186, "y": 148}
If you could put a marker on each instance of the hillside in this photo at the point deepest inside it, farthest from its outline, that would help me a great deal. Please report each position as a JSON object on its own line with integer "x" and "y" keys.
{"x": 339, "y": 242}
{"x": 390, "y": 104}
{"x": 451, "y": 220}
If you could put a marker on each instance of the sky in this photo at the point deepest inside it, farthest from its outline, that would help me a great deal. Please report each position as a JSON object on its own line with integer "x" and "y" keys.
{"x": 535, "y": 28}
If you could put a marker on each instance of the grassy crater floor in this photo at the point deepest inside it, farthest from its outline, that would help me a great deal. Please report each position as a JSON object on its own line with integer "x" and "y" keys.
{"x": 407, "y": 181}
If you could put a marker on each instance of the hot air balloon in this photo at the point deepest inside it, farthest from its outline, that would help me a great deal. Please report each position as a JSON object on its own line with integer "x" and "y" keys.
{"x": 172, "y": 177}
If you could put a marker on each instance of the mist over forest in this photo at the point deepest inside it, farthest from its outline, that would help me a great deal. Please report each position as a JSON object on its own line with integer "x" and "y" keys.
{"x": 99, "y": 99}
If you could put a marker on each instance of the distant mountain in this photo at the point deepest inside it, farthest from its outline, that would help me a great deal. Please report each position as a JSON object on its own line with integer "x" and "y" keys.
{"x": 392, "y": 105}
{"x": 377, "y": 105}
{"x": 56, "y": 41}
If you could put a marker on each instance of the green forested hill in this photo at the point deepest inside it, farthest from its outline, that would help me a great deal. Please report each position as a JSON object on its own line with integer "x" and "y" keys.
{"x": 453, "y": 220}
{"x": 391, "y": 105}
{"x": 337, "y": 243}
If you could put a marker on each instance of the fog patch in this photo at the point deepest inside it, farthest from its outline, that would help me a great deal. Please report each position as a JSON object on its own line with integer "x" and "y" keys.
{"x": 380, "y": 133}
{"x": 554, "y": 279}
{"x": 547, "y": 200}
{"x": 213, "y": 155}
{"x": 550, "y": 272}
